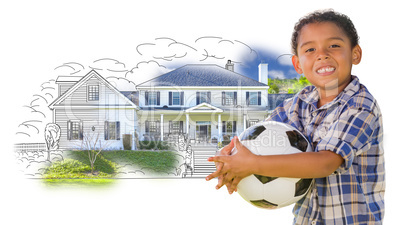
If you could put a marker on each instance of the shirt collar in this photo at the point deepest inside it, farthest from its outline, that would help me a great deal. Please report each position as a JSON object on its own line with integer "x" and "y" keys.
{"x": 310, "y": 94}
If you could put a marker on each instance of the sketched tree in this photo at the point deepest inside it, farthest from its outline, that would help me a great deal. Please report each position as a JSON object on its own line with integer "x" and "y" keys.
{"x": 94, "y": 145}
{"x": 52, "y": 137}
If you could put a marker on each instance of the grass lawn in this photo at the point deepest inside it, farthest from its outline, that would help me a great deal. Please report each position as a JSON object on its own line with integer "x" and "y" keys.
{"x": 75, "y": 169}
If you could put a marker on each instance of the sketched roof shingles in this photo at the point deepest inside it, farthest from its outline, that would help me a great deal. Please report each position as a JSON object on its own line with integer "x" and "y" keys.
{"x": 201, "y": 75}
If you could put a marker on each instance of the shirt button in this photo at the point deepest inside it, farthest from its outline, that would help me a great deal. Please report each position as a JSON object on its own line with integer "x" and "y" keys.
{"x": 313, "y": 222}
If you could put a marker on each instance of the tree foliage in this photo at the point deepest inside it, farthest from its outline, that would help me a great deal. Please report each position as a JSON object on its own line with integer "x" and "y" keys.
{"x": 290, "y": 86}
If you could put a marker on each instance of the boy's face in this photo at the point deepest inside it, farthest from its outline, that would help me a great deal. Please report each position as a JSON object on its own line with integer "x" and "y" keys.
{"x": 325, "y": 56}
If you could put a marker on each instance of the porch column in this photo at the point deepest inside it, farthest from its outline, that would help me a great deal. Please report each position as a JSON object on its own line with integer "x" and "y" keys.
{"x": 219, "y": 128}
{"x": 244, "y": 122}
{"x": 161, "y": 127}
{"x": 188, "y": 124}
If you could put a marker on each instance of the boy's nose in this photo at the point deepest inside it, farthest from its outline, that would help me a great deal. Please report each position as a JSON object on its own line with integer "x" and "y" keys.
{"x": 322, "y": 54}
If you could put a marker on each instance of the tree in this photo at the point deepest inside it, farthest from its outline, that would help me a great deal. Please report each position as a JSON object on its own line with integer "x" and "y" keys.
{"x": 52, "y": 137}
{"x": 94, "y": 145}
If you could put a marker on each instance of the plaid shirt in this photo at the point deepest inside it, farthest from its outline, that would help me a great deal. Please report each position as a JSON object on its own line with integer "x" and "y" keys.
{"x": 351, "y": 126}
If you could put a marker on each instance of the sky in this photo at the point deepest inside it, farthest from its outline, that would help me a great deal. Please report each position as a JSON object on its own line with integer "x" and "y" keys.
{"x": 43, "y": 39}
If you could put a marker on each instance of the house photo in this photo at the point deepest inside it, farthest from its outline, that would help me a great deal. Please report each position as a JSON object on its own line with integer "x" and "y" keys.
{"x": 206, "y": 102}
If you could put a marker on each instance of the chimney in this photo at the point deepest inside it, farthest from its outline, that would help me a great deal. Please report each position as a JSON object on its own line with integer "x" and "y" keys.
{"x": 263, "y": 73}
{"x": 229, "y": 65}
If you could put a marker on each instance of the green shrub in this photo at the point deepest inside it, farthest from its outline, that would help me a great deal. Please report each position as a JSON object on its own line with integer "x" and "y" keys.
{"x": 148, "y": 145}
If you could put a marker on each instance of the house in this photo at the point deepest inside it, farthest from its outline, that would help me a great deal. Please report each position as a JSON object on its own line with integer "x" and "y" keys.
{"x": 206, "y": 102}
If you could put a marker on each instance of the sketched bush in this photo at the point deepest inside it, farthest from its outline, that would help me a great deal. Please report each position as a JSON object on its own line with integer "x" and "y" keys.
{"x": 159, "y": 145}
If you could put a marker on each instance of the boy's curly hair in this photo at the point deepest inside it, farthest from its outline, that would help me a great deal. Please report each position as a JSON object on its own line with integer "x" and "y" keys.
{"x": 341, "y": 20}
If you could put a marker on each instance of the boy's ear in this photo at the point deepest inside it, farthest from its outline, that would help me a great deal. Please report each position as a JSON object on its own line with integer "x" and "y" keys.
{"x": 356, "y": 55}
{"x": 296, "y": 64}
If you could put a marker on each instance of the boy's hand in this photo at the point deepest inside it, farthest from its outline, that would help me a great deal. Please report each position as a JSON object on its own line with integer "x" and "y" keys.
{"x": 233, "y": 168}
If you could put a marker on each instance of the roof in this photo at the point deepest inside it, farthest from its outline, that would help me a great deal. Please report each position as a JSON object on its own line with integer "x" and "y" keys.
{"x": 68, "y": 79}
{"x": 202, "y": 75}
{"x": 84, "y": 79}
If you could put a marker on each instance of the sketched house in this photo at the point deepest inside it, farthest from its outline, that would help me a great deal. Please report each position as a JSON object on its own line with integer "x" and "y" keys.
{"x": 205, "y": 102}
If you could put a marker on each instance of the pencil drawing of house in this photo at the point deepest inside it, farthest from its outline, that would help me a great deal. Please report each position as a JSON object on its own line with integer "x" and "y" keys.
{"x": 203, "y": 101}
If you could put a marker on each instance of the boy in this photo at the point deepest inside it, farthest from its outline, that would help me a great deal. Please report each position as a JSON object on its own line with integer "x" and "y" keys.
{"x": 340, "y": 118}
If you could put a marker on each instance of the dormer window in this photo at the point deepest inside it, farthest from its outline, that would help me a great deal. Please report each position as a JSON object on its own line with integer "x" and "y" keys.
{"x": 93, "y": 92}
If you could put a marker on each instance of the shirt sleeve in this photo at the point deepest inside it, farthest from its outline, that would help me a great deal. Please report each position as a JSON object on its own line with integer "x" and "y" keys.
{"x": 349, "y": 136}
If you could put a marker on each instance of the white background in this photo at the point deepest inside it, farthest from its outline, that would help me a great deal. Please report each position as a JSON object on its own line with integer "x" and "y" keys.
{"x": 37, "y": 36}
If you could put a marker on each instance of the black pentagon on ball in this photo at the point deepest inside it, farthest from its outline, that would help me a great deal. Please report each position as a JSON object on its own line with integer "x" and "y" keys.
{"x": 297, "y": 140}
{"x": 302, "y": 186}
{"x": 264, "y": 204}
{"x": 252, "y": 132}
{"x": 264, "y": 179}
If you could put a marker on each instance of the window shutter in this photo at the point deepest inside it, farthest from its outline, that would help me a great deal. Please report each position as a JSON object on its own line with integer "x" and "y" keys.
{"x": 235, "y": 98}
{"x": 259, "y": 98}
{"x": 170, "y": 126}
{"x": 234, "y": 127}
{"x": 223, "y": 98}
{"x": 136, "y": 98}
{"x": 106, "y": 130}
{"x": 146, "y": 98}
{"x": 182, "y": 98}
{"x": 198, "y": 97}
{"x": 224, "y": 127}
{"x": 170, "y": 98}
{"x": 146, "y": 126}
{"x": 181, "y": 127}
{"x": 209, "y": 97}
{"x": 81, "y": 130}
{"x": 158, "y": 98}
{"x": 247, "y": 97}
{"x": 117, "y": 130}
{"x": 69, "y": 130}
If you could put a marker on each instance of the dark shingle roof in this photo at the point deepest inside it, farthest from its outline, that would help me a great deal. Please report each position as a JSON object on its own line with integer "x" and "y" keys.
{"x": 201, "y": 75}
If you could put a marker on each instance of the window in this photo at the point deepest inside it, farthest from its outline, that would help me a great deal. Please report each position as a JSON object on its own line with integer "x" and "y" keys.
{"x": 152, "y": 98}
{"x": 93, "y": 92}
{"x": 229, "y": 127}
{"x": 152, "y": 127}
{"x": 253, "y": 98}
{"x": 203, "y": 97}
{"x": 176, "y": 98}
{"x": 176, "y": 127}
{"x": 252, "y": 122}
{"x": 112, "y": 130}
{"x": 75, "y": 130}
{"x": 229, "y": 98}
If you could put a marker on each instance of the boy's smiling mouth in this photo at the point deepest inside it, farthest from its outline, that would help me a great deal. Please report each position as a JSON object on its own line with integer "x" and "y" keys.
{"x": 325, "y": 70}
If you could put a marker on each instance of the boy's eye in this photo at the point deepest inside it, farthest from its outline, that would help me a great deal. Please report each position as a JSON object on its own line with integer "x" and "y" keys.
{"x": 334, "y": 46}
{"x": 310, "y": 50}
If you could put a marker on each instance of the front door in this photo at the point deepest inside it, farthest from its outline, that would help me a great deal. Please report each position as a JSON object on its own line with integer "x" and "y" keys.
{"x": 203, "y": 133}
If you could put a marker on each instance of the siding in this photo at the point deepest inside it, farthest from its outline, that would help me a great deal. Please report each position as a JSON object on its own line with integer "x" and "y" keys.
{"x": 95, "y": 118}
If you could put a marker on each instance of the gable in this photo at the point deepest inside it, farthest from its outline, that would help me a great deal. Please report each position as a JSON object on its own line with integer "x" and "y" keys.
{"x": 204, "y": 107}
{"x": 92, "y": 90}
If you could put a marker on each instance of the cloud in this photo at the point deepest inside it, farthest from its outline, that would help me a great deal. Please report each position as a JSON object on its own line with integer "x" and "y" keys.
{"x": 276, "y": 74}
{"x": 285, "y": 60}
{"x": 207, "y": 49}
{"x": 122, "y": 84}
{"x": 166, "y": 49}
{"x": 145, "y": 70}
{"x": 70, "y": 68}
{"x": 37, "y": 113}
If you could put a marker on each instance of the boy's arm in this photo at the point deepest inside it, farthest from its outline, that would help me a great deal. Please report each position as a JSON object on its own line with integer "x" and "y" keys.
{"x": 300, "y": 165}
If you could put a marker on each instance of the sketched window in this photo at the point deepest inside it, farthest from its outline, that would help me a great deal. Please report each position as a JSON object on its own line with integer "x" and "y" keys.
{"x": 112, "y": 130}
{"x": 93, "y": 92}
{"x": 75, "y": 130}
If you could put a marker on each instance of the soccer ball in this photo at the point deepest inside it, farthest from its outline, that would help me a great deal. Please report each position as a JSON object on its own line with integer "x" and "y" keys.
{"x": 273, "y": 138}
